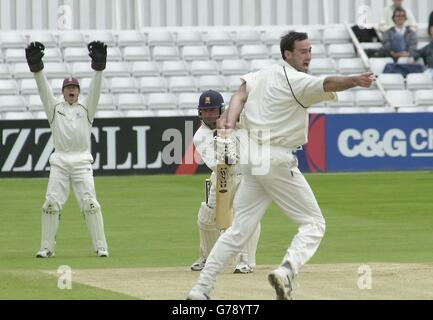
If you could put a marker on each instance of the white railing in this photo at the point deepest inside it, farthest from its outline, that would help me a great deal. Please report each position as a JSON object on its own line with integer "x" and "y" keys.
{"x": 366, "y": 62}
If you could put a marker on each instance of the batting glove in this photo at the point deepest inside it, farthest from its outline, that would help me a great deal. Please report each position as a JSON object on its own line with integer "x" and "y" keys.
{"x": 226, "y": 150}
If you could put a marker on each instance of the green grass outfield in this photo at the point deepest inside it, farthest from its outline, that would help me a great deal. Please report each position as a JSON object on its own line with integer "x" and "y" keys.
{"x": 150, "y": 221}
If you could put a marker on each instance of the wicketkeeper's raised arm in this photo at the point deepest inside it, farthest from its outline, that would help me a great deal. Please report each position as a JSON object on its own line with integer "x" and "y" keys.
{"x": 34, "y": 54}
{"x": 340, "y": 83}
{"x": 98, "y": 53}
{"x": 237, "y": 103}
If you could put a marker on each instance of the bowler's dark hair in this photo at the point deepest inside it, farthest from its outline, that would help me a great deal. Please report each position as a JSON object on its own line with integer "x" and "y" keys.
{"x": 288, "y": 41}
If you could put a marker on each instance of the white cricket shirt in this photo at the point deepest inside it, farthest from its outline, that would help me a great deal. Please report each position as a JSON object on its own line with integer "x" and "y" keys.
{"x": 70, "y": 124}
{"x": 276, "y": 111}
{"x": 205, "y": 146}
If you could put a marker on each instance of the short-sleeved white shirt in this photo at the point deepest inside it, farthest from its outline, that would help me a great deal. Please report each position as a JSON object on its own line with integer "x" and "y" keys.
{"x": 277, "y": 105}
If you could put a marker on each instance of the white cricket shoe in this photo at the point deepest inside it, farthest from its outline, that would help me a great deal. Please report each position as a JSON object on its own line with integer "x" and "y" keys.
{"x": 196, "y": 294}
{"x": 102, "y": 252}
{"x": 44, "y": 253}
{"x": 243, "y": 267}
{"x": 282, "y": 283}
{"x": 198, "y": 265}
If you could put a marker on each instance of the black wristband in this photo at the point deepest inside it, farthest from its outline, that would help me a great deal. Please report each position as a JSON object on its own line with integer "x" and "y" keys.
{"x": 98, "y": 66}
{"x": 36, "y": 67}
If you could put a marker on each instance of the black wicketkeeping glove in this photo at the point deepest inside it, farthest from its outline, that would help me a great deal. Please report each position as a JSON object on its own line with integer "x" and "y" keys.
{"x": 98, "y": 53}
{"x": 34, "y": 54}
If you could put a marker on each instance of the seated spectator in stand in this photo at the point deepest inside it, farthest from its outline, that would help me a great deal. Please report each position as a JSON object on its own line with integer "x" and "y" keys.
{"x": 426, "y": 54}
{"x": 387, "y": 20}
{"x": 399, "y": 40}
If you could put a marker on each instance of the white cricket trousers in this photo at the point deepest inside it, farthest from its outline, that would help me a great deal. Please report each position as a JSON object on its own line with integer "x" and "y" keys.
{"x": 75, "y": 169}
{"x": 286, "y": 186}
{"x": 67, "y": 169}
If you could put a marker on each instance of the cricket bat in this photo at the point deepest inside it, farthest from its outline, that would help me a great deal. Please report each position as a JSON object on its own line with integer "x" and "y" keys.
{"x": 224, "y": 195}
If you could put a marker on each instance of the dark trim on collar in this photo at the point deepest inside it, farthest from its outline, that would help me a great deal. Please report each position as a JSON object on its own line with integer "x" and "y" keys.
{"x": 290, "y": 86}
{"x": 54, "y": 113}
{"x": 87, "y": 112}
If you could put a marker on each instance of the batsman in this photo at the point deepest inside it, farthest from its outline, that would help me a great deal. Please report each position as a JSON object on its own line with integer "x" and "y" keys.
{"x": 70, "y": 121}
{"x": 213, "y": 150}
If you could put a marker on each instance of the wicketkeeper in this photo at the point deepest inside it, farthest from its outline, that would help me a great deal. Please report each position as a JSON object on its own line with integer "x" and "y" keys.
{"x": 71, "y": 162}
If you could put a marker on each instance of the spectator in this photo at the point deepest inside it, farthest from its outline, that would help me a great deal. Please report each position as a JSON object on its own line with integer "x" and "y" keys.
{"x": 387, "y": 20}
{"x": 426, "y": 54}
{"x": 399, "y": 40}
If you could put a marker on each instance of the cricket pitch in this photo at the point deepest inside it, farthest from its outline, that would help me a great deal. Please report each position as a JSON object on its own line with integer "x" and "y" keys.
{"x": 316, "y": 281}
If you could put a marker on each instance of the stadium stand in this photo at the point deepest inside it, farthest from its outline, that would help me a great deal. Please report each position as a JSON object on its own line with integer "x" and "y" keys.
{"x": 393, "y": 81}
{"x": 136, "y": 53}
{"x": 123, "y": 85}
{"x": 236, "y": 66}
{"x": 351, "y": 66}
{"x": 153, "y": 84}
{"x": 131, "y": 38}
{"x": 401, "y": 98}
{"x": 8, "y": 87}
{"x": 4, "y": 71}
{"x": 182, "y": 84}
{"x": 424, "y": 98}
{"x": 160, "y": 39}
{"x": 258, "y": 64}
{"x": 106, "y": 102}
{"x": 224, "y": 52}
{"x": 218, "y": 37}
{"x": 71, "y": 39}
{"x": 28, "y": 87}
{"x": 195, "y": 52}
{"x": 166, "y": 69}
{"x": 247, "y": 37}
{"x": 209, "y": 81}
{"x": 104, "y": 36}
{"x": 145, "y": 68}
{"x": 204, "y": 67}
{"x": 113, "y": 54}
{"x": 189, "y": 38}
{"x": 254, "y": 51}
{"x": 45, "y": 37}
{"x": 188, "y": 100}
{"x": 161, "y": 101}
{"x": 130, "y": 101}
{"x": 10, "y": 40}
{"x": 161, "y": 53}
{"x": 85, "y": 83}
{"x": 174, "y": 68}
{"x": 14, "y": 55}
{"x": 34, "y": 102}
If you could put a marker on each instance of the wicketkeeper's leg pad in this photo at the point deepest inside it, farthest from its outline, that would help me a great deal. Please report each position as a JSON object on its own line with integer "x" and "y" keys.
{"x": 95, "y": 224}
{"x": 207, "y": 228}
{"x": 50, "y": 224}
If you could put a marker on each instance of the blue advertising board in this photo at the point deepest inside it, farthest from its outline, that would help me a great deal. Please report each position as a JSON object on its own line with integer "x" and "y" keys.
{"x": 391, "y": 141}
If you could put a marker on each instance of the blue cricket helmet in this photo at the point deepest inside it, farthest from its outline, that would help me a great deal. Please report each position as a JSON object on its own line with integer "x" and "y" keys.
{"x": 210, "y": 99}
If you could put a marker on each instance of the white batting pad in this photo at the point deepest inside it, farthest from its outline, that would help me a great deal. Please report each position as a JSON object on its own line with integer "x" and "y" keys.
{"x": 207, "y": 229}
